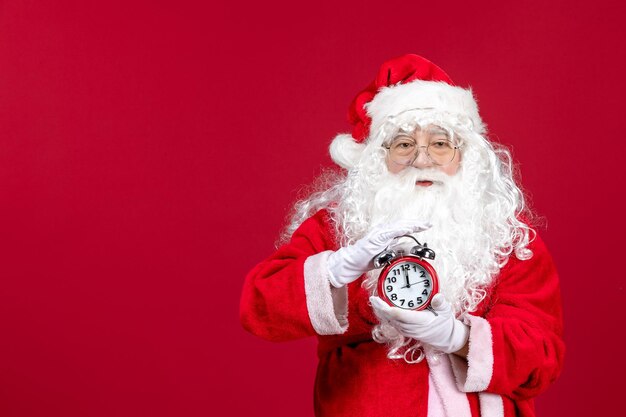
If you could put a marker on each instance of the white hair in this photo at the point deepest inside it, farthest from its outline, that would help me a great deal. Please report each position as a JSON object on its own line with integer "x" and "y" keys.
{"x": 477, "y": 216}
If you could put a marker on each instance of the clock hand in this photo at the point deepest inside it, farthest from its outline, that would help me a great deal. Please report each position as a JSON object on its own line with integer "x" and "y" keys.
{"x": 406, "y": 276}
{"x": 408, "y": 285}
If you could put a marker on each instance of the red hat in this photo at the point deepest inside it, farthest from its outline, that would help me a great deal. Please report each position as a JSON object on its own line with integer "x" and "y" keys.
{"x": 409, "y": 82}
{"x": 400, "y": 70}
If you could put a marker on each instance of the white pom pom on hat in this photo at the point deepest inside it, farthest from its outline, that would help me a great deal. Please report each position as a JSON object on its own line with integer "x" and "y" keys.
{"x": 345, "y": 151}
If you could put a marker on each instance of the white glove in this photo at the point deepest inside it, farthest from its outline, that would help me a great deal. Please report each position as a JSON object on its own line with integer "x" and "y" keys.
{"x": 443, "y": 332}
{"x": 350, "y": 262}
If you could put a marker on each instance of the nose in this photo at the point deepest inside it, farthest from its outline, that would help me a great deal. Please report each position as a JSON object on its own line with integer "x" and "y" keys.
{"x": 422, "y": 160}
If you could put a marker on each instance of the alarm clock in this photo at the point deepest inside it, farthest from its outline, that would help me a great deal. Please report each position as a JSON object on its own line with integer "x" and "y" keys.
{"x": 407, "y": 281}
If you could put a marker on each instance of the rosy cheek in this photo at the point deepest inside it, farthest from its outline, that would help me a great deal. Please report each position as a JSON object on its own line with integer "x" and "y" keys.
{"x": 450, "y": 169}
{"x": 453, "y": 167}
{"x": 394, "y": 168}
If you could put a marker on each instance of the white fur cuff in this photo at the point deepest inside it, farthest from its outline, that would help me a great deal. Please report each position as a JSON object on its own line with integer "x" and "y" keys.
{"x": 475, "y": 374}
{"x": 327, "y": 306}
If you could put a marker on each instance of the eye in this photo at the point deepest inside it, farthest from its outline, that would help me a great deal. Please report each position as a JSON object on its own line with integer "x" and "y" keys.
{"x": 402, "y": 143}
{"x": 440, "y": 144}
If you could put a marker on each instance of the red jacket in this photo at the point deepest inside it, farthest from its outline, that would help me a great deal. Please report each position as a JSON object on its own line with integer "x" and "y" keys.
{"x": 515, "y": 345}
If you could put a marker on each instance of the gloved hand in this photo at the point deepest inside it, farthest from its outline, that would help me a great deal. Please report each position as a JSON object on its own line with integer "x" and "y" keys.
{"x": 443, "y": 332}
{"x": 350, "y": 262}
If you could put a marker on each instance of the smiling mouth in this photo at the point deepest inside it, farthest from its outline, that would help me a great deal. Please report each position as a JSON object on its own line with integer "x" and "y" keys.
{"x": 424, "y": 183}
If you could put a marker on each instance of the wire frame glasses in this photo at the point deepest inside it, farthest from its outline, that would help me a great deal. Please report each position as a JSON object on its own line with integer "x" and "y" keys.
{"x": 440, "y": 146}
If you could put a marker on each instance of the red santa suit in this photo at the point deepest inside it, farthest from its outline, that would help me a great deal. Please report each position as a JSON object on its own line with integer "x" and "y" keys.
{"x": 515, "y": 340}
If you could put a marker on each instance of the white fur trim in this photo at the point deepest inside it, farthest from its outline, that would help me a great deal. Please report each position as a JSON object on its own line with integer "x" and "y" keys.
{"x": 327, "y": 306}
{"x": 440, "y": 96}
{"x": 474, "y": 374}
{"x": 454, "y": 401}
{"x": 491, "y": 405}
{"x": 345, "y": 151}
{"x": 435, "y": 403}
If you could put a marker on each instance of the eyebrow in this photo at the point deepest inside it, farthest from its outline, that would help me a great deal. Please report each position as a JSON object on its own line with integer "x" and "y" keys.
{"x": 437, "y": 129}
{"x": 403, "y": 133}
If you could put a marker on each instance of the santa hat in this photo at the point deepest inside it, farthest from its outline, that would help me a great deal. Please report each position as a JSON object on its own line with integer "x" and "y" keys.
{"x": 404, "y": 83}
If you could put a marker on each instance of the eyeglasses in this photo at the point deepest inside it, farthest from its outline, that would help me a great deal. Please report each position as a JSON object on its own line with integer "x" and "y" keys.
{"x": 440, "y": 150}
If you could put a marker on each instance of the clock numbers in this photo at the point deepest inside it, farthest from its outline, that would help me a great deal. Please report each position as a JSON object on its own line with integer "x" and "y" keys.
{"x": 408, "y": 285}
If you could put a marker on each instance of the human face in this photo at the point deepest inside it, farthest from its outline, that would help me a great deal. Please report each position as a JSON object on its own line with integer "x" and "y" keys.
{"x": 422, "y": 138}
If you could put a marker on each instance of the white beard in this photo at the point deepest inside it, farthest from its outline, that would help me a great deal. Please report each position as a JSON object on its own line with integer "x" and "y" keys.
{"x": 465, "y": 258}
{"x": 473, "y": 215}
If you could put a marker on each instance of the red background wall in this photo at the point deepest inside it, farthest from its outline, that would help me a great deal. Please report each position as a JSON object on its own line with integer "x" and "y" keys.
{"x": 149, "y": 152}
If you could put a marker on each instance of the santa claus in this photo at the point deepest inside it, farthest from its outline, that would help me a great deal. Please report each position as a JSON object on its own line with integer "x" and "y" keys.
{"x": 417, "y": 162}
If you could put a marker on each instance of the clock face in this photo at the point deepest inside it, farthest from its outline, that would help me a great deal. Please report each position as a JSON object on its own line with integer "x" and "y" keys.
{"x": 408, "y": 284}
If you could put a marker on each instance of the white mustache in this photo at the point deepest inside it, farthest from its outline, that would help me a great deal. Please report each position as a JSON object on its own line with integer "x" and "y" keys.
{"x": 414, "y": 174}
